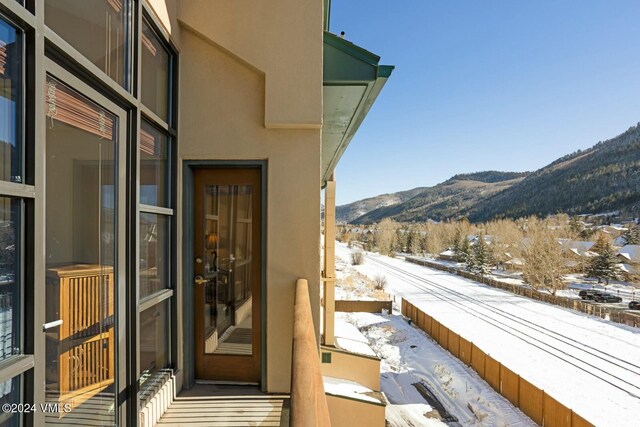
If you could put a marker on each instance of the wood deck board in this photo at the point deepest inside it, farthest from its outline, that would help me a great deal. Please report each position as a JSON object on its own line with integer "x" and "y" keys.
{"x": 231, "y": 410}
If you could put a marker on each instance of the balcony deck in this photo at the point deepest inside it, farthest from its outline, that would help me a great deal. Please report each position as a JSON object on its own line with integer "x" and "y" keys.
{"x": 229, "y": 406}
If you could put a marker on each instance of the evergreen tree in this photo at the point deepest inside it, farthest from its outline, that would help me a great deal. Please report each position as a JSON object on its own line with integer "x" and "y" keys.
{"x": 480, "y": 259}
{"x": 574, "y": 225}
{"x": 401, "y": 240}
{"x": 462, "y": 250}
{"x": 605, "y": 265}
{"x": 632, "y": 235}
{"x": 409, "y": 242}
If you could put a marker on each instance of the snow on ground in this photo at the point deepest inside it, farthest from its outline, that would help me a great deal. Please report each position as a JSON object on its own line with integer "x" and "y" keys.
{"x": 575, "y": 283}
{"x": 350, "y": 389}
{"x": 350, "y": 339}
{"x": 559, "y": 350}
{"x": 409, "y": 356}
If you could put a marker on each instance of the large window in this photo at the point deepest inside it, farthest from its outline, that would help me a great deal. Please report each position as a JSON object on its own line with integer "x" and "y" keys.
{"x": 13, "y": 198}
{"x": 156, "y": 62}
{"x": 10, "y": 103}
{"x": 98, "y": 29}
{"x": 155, "y": 287}
{"x": 67, "y": 130}
{"x": 81, "y": 248}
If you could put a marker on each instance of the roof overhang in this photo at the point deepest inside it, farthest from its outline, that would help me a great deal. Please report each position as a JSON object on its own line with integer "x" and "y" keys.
{"x": 352, "y": 81}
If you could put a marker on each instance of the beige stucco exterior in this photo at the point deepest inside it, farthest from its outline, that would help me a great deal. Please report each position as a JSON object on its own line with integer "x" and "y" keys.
{"x": 347, "y": 412}
{"x": 364, "y": 370}
{"x": 250, "y": 88}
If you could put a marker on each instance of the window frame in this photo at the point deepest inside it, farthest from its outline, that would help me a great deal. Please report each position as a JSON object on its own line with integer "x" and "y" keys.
{"x": 17, "y": 366}
{"x": 169, "y": 130}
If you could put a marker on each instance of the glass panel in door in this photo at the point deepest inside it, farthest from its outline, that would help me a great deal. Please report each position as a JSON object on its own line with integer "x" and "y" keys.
{"x": 227, "y": 249}
{"x": 227, "y": 267}
{"x": 81, "y": 242}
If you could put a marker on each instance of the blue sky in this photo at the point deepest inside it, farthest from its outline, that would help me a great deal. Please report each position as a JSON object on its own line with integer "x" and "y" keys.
{"x": 480, "y": 85}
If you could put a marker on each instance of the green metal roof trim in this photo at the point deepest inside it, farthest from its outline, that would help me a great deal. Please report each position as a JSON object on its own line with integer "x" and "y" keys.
{"x": 327, "y": 14}
{"x": 352, "y": 82}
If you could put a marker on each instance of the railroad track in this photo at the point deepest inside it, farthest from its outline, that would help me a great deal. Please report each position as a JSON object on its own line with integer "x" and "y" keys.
{"x": 494, "y": 317}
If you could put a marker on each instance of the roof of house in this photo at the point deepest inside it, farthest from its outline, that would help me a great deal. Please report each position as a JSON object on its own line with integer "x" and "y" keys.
{"x": 579, "y": 247}
{"x": 630, "y": 252}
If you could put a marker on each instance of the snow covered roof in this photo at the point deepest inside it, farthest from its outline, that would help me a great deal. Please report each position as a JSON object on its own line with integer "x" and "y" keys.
{"x": 627, "y": 268}
{"x": 351, "y": 389}
{"x": 619, "y": 241}
{"x": 448, "y": 252}
{"x": 630, "y": 252}
{"x": 578, "y": 247}
{"x": 349, "y": 338}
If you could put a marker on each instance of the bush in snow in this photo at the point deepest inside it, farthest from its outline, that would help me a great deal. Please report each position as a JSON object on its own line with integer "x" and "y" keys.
{"x": 379, "y": 282}
{"x": 357, "y": 258}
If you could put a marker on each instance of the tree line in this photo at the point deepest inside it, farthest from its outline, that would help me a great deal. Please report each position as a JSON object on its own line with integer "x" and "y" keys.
{"x": 539, "y": 247}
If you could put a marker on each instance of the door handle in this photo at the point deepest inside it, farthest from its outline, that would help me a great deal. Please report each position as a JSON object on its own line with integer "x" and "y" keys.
{"x": 51, "y": 325}
{"x": 199, "y": 280}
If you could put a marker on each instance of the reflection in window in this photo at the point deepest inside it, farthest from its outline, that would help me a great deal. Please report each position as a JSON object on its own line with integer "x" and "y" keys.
{"x": 10, "y": 394}
{"x": 155, "y": 73}
{"x": 155, "y": 343}
{"x": 154, "y": 166}
{"x": 154, "y": 338}
{"x": 10, "y": 103}
{"x": 10, "y": 215}
{"x": 107, "y": 24}
{"x": 154, "y": 253}
{"x": 81, "y": 242}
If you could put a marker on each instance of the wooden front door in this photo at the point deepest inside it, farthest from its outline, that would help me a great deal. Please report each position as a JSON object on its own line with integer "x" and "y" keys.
{"x": 227, "y": 265}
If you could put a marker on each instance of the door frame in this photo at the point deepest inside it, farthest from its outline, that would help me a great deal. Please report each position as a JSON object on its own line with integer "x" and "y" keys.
{"x": 187, "y": 306}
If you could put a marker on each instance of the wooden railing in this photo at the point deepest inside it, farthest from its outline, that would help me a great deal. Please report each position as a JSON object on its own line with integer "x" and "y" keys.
{"x": 308, "y": 402}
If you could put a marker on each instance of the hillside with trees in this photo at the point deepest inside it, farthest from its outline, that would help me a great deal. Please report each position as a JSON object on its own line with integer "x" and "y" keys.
{"x": 603, "y": 178}
{"x": 445, "y": 200}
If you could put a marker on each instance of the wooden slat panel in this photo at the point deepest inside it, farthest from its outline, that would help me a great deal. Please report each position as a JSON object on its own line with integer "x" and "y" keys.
{"x": 453, "y": 345}
{"x": 465, "y": 351}
{"x": 492, "y": 372}
{"x": 477, "y": 360}
{"x": 531, "y": 401}
{"x": 509, "y": 385}
{"x": 554, "y": 413}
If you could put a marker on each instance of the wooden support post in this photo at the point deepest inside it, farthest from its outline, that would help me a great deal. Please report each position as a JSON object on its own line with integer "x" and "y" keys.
{"x": 329, "y": 261}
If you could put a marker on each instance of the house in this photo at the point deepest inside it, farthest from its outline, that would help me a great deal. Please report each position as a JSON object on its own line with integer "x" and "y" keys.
{"x": 629, "y": 256}
{"x": 448, "y": 255}
{"x": 159, "y": 215}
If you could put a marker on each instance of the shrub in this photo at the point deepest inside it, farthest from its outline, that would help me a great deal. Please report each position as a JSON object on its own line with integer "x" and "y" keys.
{"x": 357, "y": 258}
{"x": 380, "y": 282}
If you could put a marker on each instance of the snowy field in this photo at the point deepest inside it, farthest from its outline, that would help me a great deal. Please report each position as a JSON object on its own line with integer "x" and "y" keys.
{"x": 575, "y": 283}
{"x": 590, "y": 365}
{"x": 408, "y": 357}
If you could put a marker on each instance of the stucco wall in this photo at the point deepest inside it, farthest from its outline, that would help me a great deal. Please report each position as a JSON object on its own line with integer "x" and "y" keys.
{"x": 280, "y": 38}
{"x": 221, "y": 107}
{"x": 251, "y": 89}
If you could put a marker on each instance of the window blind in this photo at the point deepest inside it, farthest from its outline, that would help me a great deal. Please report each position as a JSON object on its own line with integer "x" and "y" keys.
{"x": 72, "y": 109}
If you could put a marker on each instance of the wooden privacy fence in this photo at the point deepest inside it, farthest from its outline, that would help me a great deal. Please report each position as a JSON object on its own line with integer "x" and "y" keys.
{"x": 348, "y": 306}
{"x": 534, "y": 402}
{"x": 615, "y": 315}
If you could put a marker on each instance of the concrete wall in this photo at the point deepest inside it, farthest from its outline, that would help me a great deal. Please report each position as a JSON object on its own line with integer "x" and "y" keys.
{"x": 251, "y": 89}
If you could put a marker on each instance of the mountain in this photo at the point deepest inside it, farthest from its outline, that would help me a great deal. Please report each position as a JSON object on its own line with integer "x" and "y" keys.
{"x": 602, "y": 178}
{"x": 351, "y": 211}
{"x": 446, "y": 199}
